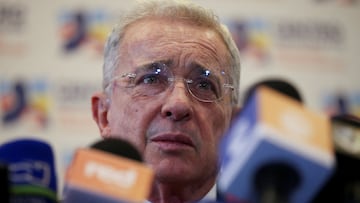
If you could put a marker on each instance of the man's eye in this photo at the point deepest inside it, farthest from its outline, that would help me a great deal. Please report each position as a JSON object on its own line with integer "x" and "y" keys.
{"x": 205, "y": 85}
{"x": 154, "y": 73}
{"x": 150, "y": 79}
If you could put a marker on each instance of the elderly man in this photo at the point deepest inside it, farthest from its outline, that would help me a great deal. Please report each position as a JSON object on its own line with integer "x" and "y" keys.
{"x": 170, "y": 87}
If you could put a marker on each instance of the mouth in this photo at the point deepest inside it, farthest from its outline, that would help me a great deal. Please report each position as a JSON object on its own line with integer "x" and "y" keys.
{"x": 170, "y": 142}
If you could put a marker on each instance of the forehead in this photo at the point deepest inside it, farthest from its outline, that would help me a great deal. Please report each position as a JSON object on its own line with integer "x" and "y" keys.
{"x": 157, "y": 39}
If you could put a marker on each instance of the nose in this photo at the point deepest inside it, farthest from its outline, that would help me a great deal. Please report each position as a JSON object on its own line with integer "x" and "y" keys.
{"x": 177, "y": 105}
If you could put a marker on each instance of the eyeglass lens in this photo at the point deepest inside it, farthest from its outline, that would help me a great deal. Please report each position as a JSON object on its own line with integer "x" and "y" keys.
{"x": 156, "y": 77}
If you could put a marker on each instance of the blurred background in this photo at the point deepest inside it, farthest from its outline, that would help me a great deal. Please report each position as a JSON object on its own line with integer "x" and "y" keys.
{"x": 51, "y": 59}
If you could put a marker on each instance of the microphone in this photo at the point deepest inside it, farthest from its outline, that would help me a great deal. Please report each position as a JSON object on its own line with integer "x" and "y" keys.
{"x": 278, "y": 84}
{"x": 109, "y": 171}
{"x": 4, "y": 184}
{"x": 275, "y": 151}
{"x": 31, "y": 167}
{"x": 344, "y": 184}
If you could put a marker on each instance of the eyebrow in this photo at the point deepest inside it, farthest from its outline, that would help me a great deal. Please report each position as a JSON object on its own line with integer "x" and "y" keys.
{"x": 198, "y": 66}
{"x": 148, "y": 66}
{"x": 192, "y": 66}
{"x": 167, "y": 62}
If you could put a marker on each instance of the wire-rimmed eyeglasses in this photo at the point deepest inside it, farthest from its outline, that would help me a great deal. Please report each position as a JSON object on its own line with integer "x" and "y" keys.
{"x": 149, "y": 80}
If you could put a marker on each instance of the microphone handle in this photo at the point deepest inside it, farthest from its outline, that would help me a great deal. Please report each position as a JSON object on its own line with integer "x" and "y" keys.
{"x": 271, "y": 195}
{"x": 275, "y": 182}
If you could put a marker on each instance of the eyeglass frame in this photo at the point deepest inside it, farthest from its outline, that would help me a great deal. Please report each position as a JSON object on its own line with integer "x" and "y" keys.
{"x": 132, "y": 75}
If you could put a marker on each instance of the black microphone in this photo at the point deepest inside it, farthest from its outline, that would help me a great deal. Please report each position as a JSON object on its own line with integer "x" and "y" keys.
{"x": 109, "y": 171}
{"x": 281, "y": 85}
{"x": 118, "y": 147}
{"x": 4, "y": 183}
{"x": 344, "y": 184}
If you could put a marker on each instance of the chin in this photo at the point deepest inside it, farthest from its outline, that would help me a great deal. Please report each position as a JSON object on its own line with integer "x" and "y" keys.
{"x": 175, "y": 173}
{"x": 173, "y": 177}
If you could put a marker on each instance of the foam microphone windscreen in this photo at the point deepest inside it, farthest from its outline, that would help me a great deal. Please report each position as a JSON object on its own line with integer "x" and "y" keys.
{"x": 32, "y": 171}
{"x": 280, "y": 85}
{"x": 118, "y": 147}
{"x": 109, "y": 171}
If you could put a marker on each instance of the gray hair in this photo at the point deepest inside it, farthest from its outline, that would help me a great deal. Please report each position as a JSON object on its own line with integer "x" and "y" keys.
{"x": 170, "y": 9}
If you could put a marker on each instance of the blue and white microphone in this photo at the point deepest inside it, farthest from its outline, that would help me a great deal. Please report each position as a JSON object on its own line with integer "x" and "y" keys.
{"x": 276, "y": 151}
{"x": 32, "y": 172}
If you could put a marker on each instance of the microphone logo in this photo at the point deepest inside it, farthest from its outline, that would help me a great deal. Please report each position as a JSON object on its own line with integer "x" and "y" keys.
{"x": 296, "y": 123}
{"x": 31, "y": 172}
{"x": 105, "y": 173}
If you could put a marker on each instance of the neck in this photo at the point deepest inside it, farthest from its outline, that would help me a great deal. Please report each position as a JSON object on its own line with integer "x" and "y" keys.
{"x": 179, "y": 192}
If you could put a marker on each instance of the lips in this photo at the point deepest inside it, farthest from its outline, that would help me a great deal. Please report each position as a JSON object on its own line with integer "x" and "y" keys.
{"x": 173, "y": 139}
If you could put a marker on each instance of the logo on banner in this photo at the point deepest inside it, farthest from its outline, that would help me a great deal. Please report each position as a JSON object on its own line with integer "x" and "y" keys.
{"x": 24, "y": 103}
{"x": 291, "y": 43}
{"x": 252, "y": 39}
{"x": 84, "y": 30}
{"x": 12, "y": 22}
{"x": 341, "y": 102}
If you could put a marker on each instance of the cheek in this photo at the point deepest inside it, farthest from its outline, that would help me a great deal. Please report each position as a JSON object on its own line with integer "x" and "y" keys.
{"x": 125, "y": 122}
{"x": 217, "y": 123}
{"x": 124, "y": 112}
{"x": 220, "y": 122}
{"x": 213, "y": 125}
{"x": 130, "y": 118}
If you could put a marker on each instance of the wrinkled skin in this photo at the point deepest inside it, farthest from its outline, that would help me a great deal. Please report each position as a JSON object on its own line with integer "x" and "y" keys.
{"x": 177, "y": 135}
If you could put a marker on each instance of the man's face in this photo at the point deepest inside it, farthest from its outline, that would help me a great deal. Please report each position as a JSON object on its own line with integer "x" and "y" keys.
{"x": 177, "y": 134}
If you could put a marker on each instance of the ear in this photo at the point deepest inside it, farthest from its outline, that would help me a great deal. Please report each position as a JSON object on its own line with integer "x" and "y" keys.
{"x": 100, "y": 108}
